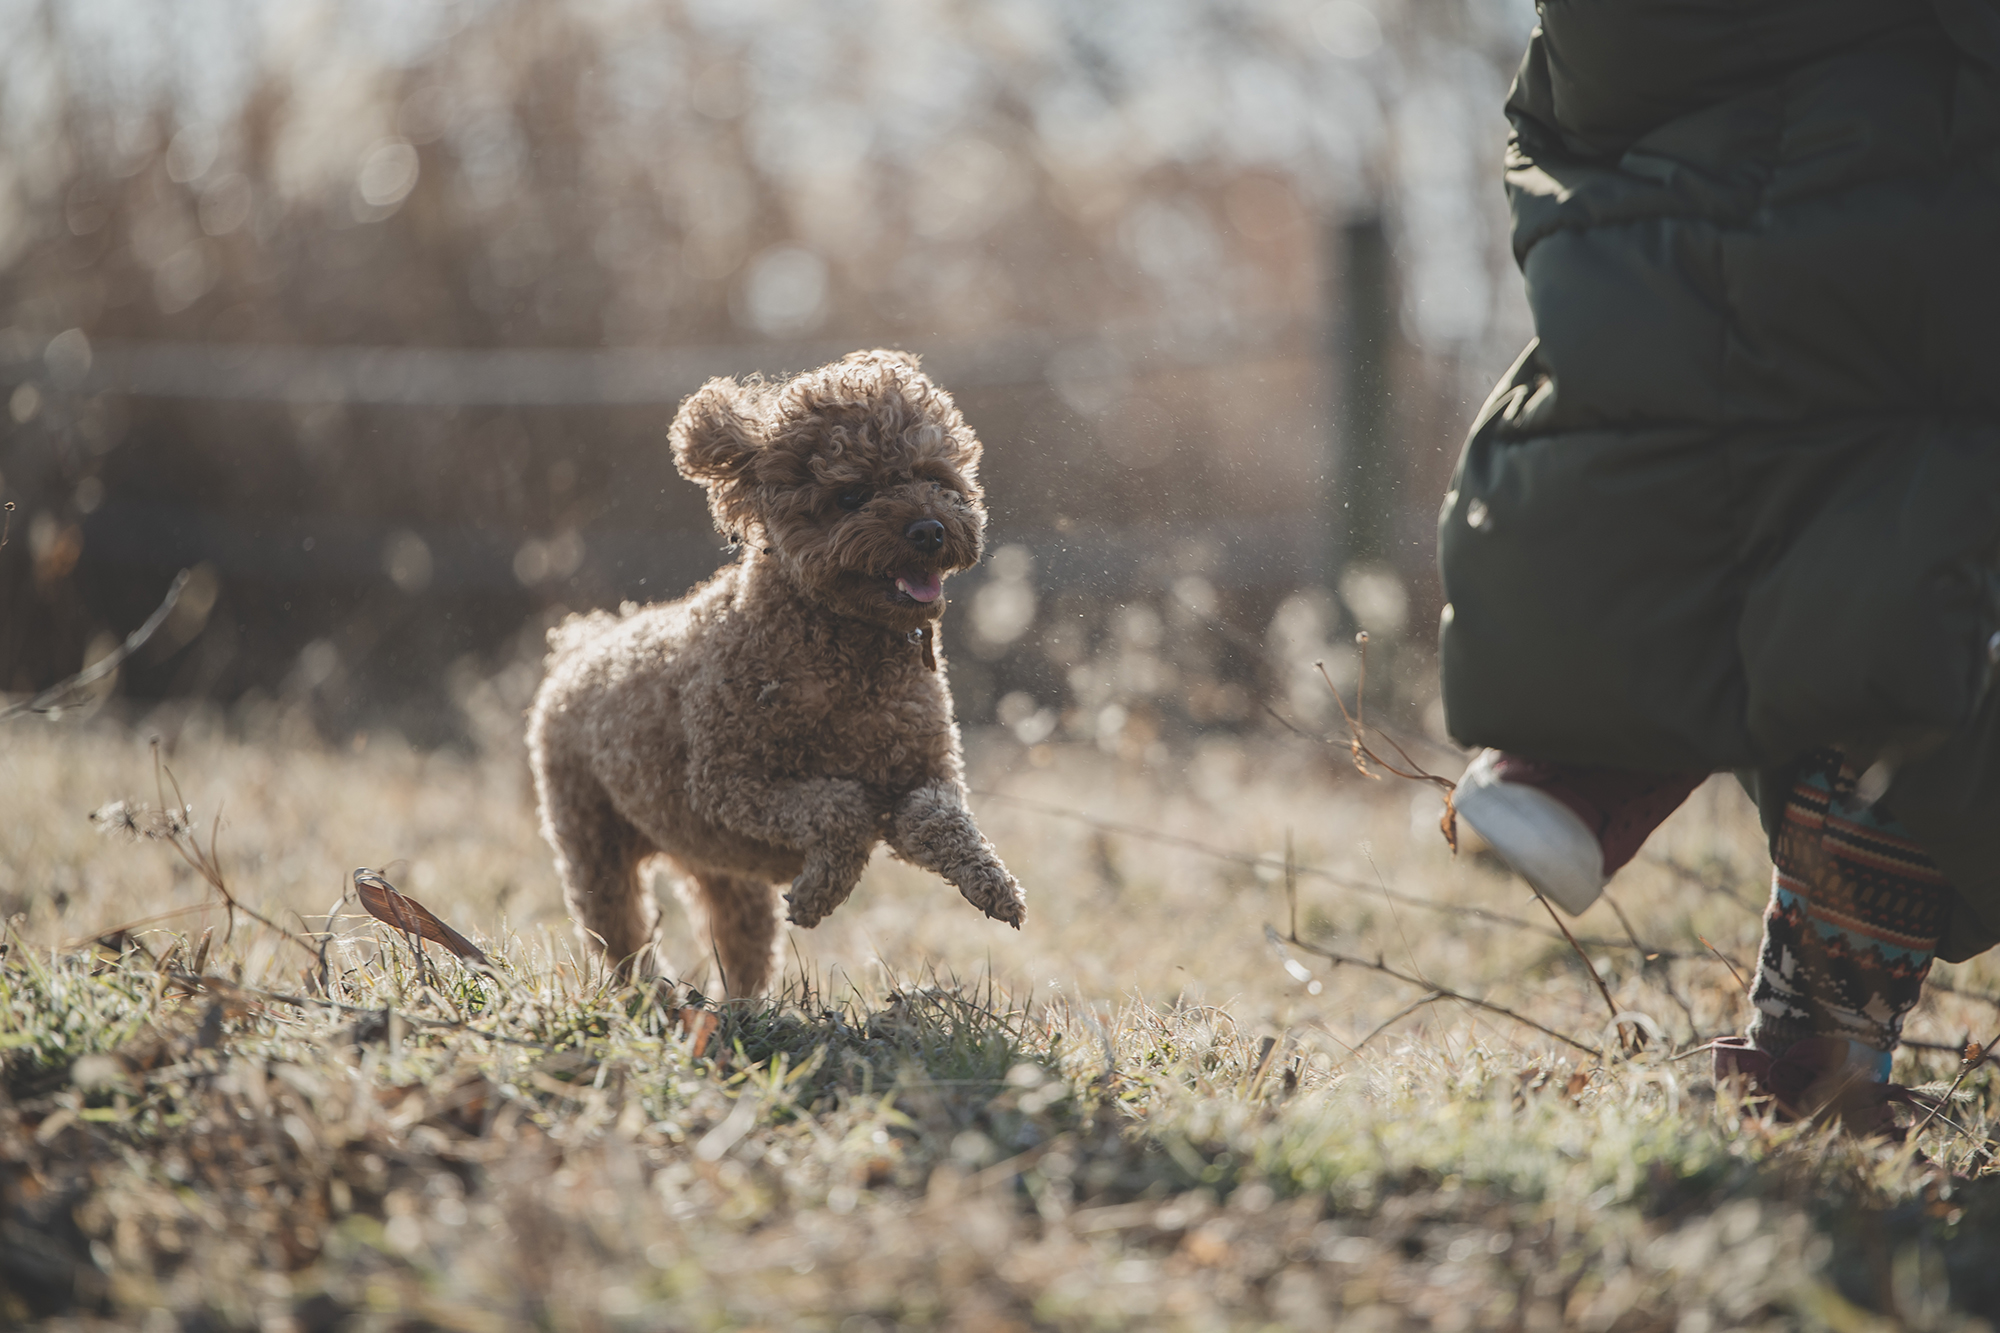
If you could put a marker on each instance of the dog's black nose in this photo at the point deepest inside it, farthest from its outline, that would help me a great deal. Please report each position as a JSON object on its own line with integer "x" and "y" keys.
{"x": 926, "y": 534}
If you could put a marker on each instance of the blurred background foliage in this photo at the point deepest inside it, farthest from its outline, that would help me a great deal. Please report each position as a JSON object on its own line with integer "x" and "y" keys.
{"x": 374, "y": 316}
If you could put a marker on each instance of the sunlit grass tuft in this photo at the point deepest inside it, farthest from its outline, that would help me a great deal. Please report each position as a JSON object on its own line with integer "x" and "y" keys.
{"x": 309, "y": 1124}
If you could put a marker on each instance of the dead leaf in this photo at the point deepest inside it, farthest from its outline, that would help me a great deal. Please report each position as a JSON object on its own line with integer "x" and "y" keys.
{"x": 1207, "y": 1246}
{"x": 698, "y": 1025}
{"x": 411, "y": 917}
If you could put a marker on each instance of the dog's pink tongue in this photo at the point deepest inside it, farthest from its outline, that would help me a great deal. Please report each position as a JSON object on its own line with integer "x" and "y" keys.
{"x": 926, "y": 586}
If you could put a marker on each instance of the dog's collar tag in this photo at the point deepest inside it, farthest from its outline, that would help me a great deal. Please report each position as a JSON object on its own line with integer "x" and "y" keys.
{"x": 922, "y": 638}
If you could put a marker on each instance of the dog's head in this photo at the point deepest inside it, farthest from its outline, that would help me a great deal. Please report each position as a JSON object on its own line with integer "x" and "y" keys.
{"x": 860, "y": 478}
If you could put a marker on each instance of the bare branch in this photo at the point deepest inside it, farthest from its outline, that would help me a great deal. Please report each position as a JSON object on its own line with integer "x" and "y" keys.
{"x": 186, "y": 840}
{"x": 1973, "y": 1057}
{"x": 1635, "y": 1038}
{"x": 1437, "y": 992}
{"x": 1397, "y": 1017}
{"x": 1725, "y": 962}
{"x": 1357, "y": 745}
{"x": 110, "y": 662}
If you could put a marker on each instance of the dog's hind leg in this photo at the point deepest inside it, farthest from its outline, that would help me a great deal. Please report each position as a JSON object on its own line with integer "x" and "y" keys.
{"x": 598, "y": 858}
{"x": 932, "y": 828}
{"x": 740, "y": 917}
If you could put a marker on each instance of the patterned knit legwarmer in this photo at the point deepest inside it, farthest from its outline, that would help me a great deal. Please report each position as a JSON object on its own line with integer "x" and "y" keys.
{"x": 1856, "y": 911}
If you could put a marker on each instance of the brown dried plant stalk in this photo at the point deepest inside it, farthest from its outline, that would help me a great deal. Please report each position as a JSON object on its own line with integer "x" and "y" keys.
{"x": 1970, "y": 1059}
{"x": 48, "y": 700}
{"x": 178, "y": 830}
{"x": 1434, "y": 991}
{"x": 1357, "y": 745}
{"x": 1629, "y": 1035}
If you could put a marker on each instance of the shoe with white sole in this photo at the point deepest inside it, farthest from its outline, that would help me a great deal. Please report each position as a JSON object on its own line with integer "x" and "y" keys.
{"x": 1541, "y": 839}
{"x": 1565, "y": 828}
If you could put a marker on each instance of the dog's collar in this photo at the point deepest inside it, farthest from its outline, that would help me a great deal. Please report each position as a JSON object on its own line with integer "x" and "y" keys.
{"x": 923, "y": 638}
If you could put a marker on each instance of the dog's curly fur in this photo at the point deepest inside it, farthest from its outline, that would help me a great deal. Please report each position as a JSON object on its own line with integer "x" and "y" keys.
{"x": 790, "y": 713}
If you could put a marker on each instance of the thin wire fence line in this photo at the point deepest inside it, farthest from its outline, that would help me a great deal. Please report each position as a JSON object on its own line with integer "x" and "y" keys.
{"x": 1272, "y": 862}
{"x": 430, "y": 376}
{"x": 645, "y": 563}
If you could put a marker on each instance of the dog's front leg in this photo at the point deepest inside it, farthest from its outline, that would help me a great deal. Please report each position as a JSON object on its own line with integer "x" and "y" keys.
{"x": 837, "y": 829}
{"x": 932, "y": 828}
{"x": 831, "y": 821}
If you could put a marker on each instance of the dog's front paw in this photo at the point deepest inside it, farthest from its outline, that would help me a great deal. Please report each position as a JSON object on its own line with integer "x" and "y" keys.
{"x": 822, "y": 886}
{"x": 801, "y": 910}
{"x": 995, "y": 892}
{"x": 806, "y": 903}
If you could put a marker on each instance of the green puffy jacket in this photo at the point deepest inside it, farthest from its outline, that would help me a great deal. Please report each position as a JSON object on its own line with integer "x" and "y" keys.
{"x": 1740, "y": 498}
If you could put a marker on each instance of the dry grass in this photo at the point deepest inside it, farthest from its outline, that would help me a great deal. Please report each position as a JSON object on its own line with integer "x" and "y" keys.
{"x": 1137, "y": 1112}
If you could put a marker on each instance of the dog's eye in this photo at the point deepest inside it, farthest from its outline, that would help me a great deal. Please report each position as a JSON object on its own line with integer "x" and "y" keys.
{"x": 853, "y": 499}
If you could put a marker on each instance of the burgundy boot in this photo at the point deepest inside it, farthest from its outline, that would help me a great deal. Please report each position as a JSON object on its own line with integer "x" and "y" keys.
{"x": 1565, "y": 828}
{"x": 1820, "y": 1077}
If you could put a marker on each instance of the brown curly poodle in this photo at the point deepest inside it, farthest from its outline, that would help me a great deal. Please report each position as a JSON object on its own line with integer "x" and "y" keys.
{"x": 784, "y": 717}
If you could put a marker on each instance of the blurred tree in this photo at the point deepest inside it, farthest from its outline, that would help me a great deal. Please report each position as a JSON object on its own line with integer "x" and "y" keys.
{"x": 378, "y": 314}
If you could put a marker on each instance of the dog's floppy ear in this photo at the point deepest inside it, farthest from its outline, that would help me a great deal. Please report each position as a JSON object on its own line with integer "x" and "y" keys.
{"x": 715, "y": 438}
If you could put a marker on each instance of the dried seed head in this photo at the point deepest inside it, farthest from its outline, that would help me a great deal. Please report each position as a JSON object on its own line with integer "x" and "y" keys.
{"x": 123, "y": 818}
{"x": 116, "y": 817}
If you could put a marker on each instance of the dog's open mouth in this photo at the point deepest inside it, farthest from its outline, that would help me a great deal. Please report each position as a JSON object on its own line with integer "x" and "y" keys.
{"x": 919, "y": 585}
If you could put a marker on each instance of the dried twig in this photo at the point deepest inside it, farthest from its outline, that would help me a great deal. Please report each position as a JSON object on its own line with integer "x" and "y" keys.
{"x": 1448, "y": 825}
{"x": 1358, "y": 746}
{"x": 129, "y": 927}
{"x": 1725, "y": 962}
{"x": 1291, "y": 884}
{"x": 1625, "y": 924}
{"x": 1291, "y": 726}
{"x": 1397, "y": 1017}
{"x": 1438, "y": 992}
{"x": 1648, "y": 956}
{"x": 1974, "y": 1056}
{"x": 48, "y": 699}
{"x": 1632, "y": 1042}
{"x": 180, "y": 833}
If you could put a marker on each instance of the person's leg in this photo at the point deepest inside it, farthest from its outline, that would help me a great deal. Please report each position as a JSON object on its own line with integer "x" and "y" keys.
{"x": 1856, "y": 911}
{"x": 1566, "y": 828}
